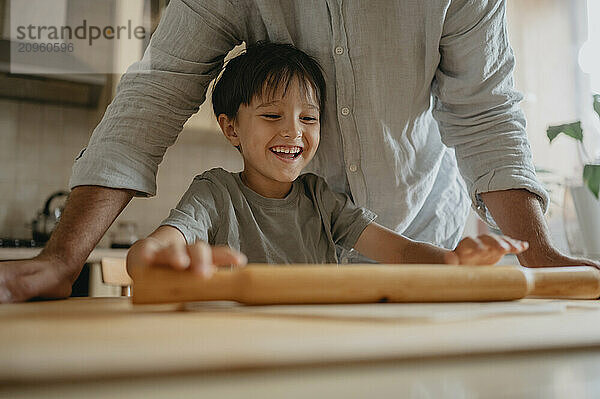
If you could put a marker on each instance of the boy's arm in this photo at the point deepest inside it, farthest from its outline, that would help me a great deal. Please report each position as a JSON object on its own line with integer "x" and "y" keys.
{"x": 386, "y": 246}
{"x": 166, "y": 246}
{"x": 144, "y": 252}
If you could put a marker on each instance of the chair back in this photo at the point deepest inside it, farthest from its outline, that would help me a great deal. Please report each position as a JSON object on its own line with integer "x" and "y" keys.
{"x": 114, "y": 272}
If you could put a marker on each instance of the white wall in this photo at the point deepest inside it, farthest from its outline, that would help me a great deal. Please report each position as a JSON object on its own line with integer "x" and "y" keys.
{"x": 545, "y": 43}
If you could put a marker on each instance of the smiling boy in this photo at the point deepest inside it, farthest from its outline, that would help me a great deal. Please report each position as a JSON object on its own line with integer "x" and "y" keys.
{"x": 269, "y": 103}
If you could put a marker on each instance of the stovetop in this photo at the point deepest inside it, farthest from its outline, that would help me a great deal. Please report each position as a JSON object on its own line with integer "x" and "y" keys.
{"x": 20, "y": 243}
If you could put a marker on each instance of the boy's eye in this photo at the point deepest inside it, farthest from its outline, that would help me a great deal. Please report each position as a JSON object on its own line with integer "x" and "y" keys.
{"x": 309, "y": 119}
{"x": 270, "y": 116}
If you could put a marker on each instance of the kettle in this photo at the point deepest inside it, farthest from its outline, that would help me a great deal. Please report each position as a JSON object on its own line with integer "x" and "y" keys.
{"x": 46, "y": 219}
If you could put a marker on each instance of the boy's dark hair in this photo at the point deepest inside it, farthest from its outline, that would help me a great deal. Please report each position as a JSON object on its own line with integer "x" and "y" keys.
{"x": 262, "y": 70}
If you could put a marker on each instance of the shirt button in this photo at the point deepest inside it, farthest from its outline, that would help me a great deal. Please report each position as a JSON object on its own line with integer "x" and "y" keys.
{"x": 339, "y": 50}
{"x": 345, "y": 111}
{"x": 353, "y": 168}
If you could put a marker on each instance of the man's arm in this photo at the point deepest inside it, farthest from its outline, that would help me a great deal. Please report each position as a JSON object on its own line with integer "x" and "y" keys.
{"x": 477, "y": 109}
{"x": 157, "y": 95}
{"x": 88, "y": 213}
{"x": 518, "y": 214}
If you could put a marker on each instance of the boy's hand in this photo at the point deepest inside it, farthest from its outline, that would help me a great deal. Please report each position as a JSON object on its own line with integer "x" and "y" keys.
{"x": 484, "y": 250}
{"x": 199, "y": 258}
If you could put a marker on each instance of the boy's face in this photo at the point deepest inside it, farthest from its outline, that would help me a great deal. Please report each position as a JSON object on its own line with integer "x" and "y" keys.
{"x": 278, "y": 137}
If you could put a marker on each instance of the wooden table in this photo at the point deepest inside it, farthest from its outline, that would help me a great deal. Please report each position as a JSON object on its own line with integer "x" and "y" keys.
{"x": 106, "y": 347}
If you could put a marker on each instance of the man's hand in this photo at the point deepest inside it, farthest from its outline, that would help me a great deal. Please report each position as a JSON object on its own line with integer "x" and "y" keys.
{"x": 557, "y": 259}
{"x": 485, "y": 249}
{"x": 519, "y": 214}
{"x": 39, "y": 277}
{"x": 199, "y": 258}
{"x": 88, "y": 213}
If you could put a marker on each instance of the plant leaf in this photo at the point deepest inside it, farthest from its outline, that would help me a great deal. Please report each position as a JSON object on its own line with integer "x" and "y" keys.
{"x": 591, "y": 178}
{"x": 544, "y": 171}
{"x": 570, "y": 129}
{"x": 597, "y": 104}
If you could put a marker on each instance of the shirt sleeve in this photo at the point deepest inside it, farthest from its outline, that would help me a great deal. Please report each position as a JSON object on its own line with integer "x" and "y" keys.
{"x": 477, "y": 107}
{"x": 346, "y": 219}
{"x": 158, "y": 94}
{"x": 196, "y": 214}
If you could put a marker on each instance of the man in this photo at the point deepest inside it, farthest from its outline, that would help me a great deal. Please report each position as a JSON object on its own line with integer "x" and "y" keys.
{"x": 406, "y": 80}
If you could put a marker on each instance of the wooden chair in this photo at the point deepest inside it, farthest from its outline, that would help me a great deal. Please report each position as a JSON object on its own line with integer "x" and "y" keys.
{"x": 114, "y": 272}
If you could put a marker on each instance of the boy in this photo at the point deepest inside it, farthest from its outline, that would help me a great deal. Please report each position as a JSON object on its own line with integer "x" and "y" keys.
{"x": 268, "y": 103}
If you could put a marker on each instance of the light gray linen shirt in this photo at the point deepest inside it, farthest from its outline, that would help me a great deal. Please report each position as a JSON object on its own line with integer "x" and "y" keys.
{"x": 417, "y": 90}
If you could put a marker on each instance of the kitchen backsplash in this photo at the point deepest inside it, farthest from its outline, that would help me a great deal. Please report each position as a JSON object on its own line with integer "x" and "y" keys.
{"x": 38, "y": 144}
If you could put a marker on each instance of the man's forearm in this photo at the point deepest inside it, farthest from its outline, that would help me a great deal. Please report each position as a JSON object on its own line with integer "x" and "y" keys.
{"x": 88, "y": 213}
{"x": 518, "y": 213}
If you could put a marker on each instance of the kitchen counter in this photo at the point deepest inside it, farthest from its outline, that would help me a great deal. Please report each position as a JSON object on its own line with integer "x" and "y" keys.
{"x": 102, "y": 347}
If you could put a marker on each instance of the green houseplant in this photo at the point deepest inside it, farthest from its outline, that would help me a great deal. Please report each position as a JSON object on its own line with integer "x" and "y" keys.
{"x": 584, "y": 197}
{"x": 591, "y": 169}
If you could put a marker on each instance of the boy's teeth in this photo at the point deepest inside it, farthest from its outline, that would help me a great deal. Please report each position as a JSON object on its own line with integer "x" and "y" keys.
{"x": 287, "y": 150}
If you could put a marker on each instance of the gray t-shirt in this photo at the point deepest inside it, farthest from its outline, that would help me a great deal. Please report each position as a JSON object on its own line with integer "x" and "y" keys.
{"x": 303, "y": 227}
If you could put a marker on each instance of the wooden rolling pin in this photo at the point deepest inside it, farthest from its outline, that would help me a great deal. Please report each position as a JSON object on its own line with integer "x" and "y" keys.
{"x": 311, "y": 284}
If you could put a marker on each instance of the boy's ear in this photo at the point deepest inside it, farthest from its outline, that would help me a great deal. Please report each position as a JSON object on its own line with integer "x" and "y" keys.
{"x": 228, "y": 128}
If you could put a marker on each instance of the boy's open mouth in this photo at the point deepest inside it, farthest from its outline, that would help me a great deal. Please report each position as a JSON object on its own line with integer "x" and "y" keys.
{"x": 286, "y": 152}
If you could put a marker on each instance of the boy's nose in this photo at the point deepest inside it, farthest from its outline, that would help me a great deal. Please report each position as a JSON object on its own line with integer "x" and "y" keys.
{"x": 291, "y": 129}
{"x": 295, "y": 133}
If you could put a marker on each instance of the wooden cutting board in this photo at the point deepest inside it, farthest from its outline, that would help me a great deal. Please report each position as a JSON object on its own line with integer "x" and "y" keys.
{"x": 314, "y": 284}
